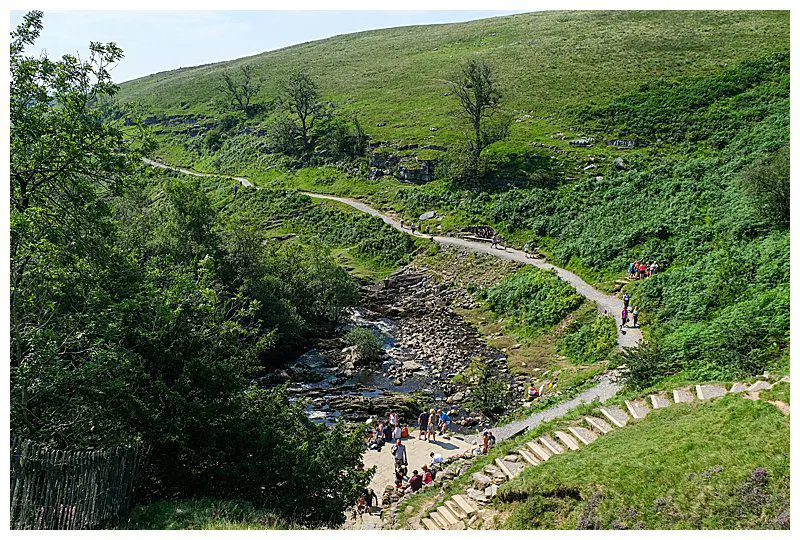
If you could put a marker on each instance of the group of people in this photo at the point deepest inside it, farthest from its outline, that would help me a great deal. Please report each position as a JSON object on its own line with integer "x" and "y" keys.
{"x": 413, "y": 483}
{"x": 386, "y": 432}
{"x": 497, "y": 240}
{"x": 429, "y": 423}
{"x": 531, "y": 252}
{"x": 416, "y": 230}
{"x": 535, "y": 392}
{"x": 628, "y": 315}
{"x": 641, "y": 269}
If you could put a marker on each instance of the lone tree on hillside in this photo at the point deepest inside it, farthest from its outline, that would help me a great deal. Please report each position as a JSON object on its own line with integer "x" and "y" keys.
{"x": 300, "y": 97}
{"x": 240, "y": 86}
{"x": 476, "y": 89}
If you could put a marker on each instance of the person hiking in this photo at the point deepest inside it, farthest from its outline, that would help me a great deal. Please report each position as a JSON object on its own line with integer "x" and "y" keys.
{"x": 422, "y": 425}
{"x": 624, "y": 318}
{"x": 492, "y": 440}
{"x": 432, "y": 426}
{"x": 399, "y": 453}
{"x": 525, "y": 249}
{"x": 485, "y": 442}
{"x": 626, "y": 299}
{"x": 444, "y": 422}
{"x": 642, "y": 269}
{"x": 630, "y": 269}
{"x": 413, "y": 229}
{"x": 369, "y": 499}
{"x": 635, "y": 314}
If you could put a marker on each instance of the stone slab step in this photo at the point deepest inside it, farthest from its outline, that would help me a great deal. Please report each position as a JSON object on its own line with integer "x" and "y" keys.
{"x": 682, "y": 395}
{"x": 710, "y": 391}
{"x": 568, "y": 440}
{"x": 430, "y": 525}
{"x": 439, "y": 520}
{"x": 584, "y": 435}
{"x": 490, "y": 491}
{"x": 615, "y": 415}
{"x": 598, "y": 424}
{"x": 455, "y": 509}
{"x": 459, "y": 526}
{"x": 637, "y": 407}
{"x": 551, "y": 445}
{"x": 539, "y": 451}
{"x": 448, "y": 515}
{"x": 477, "y": 495}
{"x": 527, "y": 456}
{"x": 464, "y": 504}
{"x": 510, "y": 469}
{"x": 737, "y": 388}
{"x": 659, "y": 401}
{"x": 759, "y": 385}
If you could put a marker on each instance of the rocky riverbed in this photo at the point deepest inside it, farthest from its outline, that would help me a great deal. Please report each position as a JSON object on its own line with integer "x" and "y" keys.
{"x": 425, "y": 345}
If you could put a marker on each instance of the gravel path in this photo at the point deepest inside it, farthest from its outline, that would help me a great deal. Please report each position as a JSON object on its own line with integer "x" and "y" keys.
{"x": 628, "y": 337}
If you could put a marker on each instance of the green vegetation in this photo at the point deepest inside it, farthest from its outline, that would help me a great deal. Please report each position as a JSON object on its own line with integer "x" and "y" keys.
{"x": 534, "y": 299}
{"x": 720, "y": 465}
{"x": 490, "y": 392}
{"x": 367, "y": 344}
{"x": 589, "y": 337}
{"x": 201, "y": 514}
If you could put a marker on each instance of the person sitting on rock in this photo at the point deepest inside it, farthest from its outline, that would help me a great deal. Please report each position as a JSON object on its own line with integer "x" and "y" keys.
{"x": 388, "y": 435}
{"x": 427, "y": 476}
{"x": 414, "y": 483}
{"x": 436, "y": 460}
{"x": 533, "y": 392}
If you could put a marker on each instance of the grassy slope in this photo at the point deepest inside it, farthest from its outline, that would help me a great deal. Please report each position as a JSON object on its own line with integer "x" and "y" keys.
{"x": 683, "y": 467}
{"x": 202, "y": 514}
{"x": 545, "y": 61}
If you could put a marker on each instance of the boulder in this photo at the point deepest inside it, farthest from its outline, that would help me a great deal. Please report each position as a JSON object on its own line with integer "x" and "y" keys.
{"x": 480, "y": 480}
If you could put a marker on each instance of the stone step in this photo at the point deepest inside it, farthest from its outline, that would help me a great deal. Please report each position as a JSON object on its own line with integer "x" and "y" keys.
{"x": 455, "y": 509}
{"x": 682, "y": 395}
{"x": 551, "y": 445}
{"x": 710, "y": 391}
{"x": 539, "y": 451}
{"x": 510, "y": 469}
{"x": 430, "y": 525}
{"x": 615, "y": 415}
{"x": 448, "y": 515}
{"x": 439, "y": 520}
{"x": 477, "y": 495}
{"x": 464, "y": 504}
{"x": 458, "y": 526}
{"x": 759, "y": 386}
{"x": 527, "y": 456}
{"x": 737, "y": 388}
{"x": 490, "y": 491}
{"x": 598, "y": 424}
{"x": 568, "y": 440}
{"x": 584, "y": 435}
{"x": 659, "y": 401}
{"x": 637, "y": 407}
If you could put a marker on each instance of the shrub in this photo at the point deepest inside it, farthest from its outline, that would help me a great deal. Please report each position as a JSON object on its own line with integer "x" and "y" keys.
{"x": 367, "y": 344}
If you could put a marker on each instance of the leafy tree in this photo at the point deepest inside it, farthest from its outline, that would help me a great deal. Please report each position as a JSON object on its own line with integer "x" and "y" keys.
{"x": 367, "y": 344}
{"x": 240, "y": 86}
{"x": 476, "y": 89}
{"x": 491, "y": 392}
{"x": 300, "y": 97}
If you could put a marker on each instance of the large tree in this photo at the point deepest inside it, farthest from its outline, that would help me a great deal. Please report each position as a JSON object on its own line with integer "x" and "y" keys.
{"x": 475, "y": 87}
{"x": 301, "y": 97}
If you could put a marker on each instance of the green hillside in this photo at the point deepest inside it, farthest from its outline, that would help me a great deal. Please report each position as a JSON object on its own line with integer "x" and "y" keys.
{"x": 704, "y": 191}
{"x": 545, "y": 61}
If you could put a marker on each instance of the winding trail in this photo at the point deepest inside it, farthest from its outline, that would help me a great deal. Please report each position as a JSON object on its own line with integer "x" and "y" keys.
{"x": 608, "y": 304}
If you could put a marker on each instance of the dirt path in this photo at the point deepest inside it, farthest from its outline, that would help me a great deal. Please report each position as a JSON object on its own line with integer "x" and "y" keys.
{"x": 608, "y": 304}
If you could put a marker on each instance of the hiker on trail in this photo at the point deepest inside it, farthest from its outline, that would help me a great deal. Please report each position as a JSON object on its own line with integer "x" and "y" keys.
{"x": 635, "y": 314}
{"x": 626, "y": 299}
{"x": 413, "y": 229}
{"x": 427, "y": 477}
{"x": 631, "y": 267}
{"x": 525, "y": 249}
{"x": 642, "y": 270}
{"x": 534, "y": 252}
{"x": 402, "y": 223}
{"x": 444, "y": 421}
{"x": 492, "y": 440}
{"x": 422, "y": 425}
{"x": 394, "y": 419}
{"x": 494, "y": 240}
{"x": 485, "y": 442}
{"x": 436, "y": 459}
{"x": 432, "y": 421}
{"x": 369, "y": 499}
{"x": 399, "y": 452}
{"x": 399, "y": 475}
{"x": 624, "y": 317}
{"x": 235, "y": 190}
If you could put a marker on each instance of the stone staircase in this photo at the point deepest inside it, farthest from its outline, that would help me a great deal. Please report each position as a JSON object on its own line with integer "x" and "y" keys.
{"x": 470, "y": 510}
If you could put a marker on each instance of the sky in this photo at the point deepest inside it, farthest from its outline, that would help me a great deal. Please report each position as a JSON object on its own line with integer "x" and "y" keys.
{"x": 156, "y": 41}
